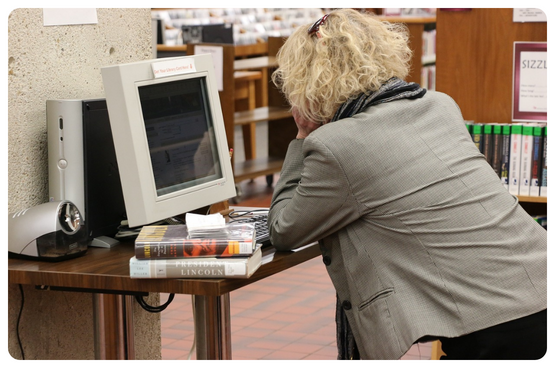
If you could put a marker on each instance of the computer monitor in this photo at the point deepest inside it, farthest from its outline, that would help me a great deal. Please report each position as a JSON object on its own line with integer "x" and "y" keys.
{"x": 169, "y": 136}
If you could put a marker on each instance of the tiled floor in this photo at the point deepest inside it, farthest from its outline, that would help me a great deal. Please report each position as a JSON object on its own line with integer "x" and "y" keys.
{"x": 289, "y": 316}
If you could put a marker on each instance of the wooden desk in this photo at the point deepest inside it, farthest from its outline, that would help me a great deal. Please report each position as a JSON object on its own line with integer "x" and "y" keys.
{"x": 105, "y": 273}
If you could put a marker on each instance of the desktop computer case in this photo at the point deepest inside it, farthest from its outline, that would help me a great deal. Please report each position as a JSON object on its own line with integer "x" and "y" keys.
{"x": 82, "y": 163}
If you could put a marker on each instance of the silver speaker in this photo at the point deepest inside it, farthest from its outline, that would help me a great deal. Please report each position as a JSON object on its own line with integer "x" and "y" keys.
{"x": 51, "y": 231}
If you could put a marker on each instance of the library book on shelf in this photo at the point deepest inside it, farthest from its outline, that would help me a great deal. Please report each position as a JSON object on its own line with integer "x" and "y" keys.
{"x": 203, "y": 267}
{"x": 176, "y": 241}
{"x": 518, "y": 154}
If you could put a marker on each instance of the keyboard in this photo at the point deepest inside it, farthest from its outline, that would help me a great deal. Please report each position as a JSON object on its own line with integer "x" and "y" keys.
{"x": 261, "y": 226}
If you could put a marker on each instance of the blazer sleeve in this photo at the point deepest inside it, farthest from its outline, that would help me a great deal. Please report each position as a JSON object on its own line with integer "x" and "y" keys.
{"x": 312, "y": 198}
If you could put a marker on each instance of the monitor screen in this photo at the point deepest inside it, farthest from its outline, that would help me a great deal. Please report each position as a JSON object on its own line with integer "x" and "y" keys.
{"x": 169, "y": 136}
{"x": 180, "y": 134}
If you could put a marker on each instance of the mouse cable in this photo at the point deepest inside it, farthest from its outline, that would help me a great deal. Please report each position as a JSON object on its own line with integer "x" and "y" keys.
{"x": 240, "y": 213}
{"x": 18, "y": 320}
{"x": 150, "y": 308}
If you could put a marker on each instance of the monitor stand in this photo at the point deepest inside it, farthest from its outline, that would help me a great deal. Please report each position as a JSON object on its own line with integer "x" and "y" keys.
{"x": 103, "y": 242}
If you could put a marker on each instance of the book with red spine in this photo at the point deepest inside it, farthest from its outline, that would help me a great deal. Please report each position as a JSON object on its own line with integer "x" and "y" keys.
{"x": 176, "y": 241}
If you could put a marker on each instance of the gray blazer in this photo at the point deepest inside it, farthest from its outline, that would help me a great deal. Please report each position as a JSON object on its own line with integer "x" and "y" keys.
{"x": 417, "y": 233}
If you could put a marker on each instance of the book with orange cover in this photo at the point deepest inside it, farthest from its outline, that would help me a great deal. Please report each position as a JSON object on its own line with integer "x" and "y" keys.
{"x": 175, "y": 241}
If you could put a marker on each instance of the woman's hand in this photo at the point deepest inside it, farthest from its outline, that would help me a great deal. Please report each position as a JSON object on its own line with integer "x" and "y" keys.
{"x": 304, "y": 126}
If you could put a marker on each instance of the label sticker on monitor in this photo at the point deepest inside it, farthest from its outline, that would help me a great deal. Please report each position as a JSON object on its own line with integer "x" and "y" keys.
{"x": 173, "y": 67}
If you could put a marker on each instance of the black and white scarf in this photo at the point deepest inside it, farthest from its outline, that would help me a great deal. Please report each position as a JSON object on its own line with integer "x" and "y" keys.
{"x": 392, "y": 90}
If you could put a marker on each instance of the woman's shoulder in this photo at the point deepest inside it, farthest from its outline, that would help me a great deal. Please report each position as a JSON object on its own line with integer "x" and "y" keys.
{"x": 439, "y": 96}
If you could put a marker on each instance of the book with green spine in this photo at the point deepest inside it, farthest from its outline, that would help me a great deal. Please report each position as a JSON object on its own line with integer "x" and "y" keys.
{"x": 505, "y": 154}
{"x": 476, "y": 134}
{"x": 496, "y": 149}
{"x": 487, "y": 142}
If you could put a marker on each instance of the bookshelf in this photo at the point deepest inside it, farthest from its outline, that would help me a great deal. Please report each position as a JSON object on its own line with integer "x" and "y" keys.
{"x": 474, "y": 65}
{"x": 532, "y": 199}
{"x": 251, "y": 26}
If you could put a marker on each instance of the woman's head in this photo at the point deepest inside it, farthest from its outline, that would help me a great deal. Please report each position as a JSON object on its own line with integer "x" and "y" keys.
{"x": 351, "y": 53}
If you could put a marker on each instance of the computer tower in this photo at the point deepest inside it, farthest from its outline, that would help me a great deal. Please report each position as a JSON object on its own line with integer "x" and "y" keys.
{"x": 82, "y": 165}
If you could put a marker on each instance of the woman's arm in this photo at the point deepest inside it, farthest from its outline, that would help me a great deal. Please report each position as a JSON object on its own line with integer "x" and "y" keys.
{"x": 312, "y": 198}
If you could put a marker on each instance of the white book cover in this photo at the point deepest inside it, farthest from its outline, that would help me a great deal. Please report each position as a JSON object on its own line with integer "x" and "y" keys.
{"x": 514, "y": 159}
{"x": 527, "y": 145}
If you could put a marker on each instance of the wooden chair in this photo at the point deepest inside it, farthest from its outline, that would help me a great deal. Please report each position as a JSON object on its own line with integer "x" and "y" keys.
{"x": 245, "y": 99}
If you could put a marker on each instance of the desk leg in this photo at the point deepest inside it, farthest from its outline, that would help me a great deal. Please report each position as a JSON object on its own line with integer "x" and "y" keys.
{"x": 212, "y": 327}
{"x": 113, "y": 326}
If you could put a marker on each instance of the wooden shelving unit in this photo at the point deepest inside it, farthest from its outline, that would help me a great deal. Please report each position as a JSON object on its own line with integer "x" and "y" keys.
{"x": 266, "y": 113}
{"x": 474, "y": 63}
{"x": 532, "y": 199}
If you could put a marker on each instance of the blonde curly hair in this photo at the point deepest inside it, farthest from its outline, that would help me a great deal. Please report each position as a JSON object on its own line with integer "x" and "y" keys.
{"x": 352, "y": 53}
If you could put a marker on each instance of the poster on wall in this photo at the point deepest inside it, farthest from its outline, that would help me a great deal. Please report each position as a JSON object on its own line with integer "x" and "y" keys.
{"x": 69, "y": 16}
{"x": 530, "y": 81}
{"x": 528, "y": 15}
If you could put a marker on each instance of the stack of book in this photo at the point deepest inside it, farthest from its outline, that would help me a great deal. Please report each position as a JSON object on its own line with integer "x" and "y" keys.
{"x": 172, "y": 251}
{"x": 518, "y": 154}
